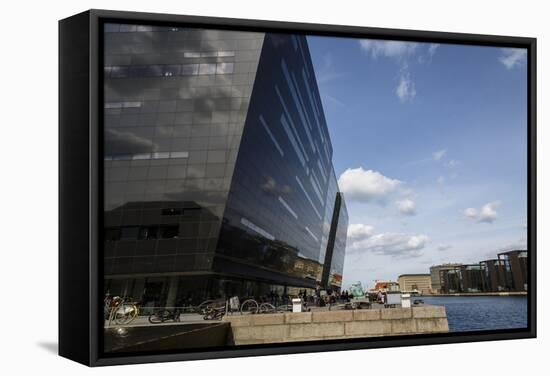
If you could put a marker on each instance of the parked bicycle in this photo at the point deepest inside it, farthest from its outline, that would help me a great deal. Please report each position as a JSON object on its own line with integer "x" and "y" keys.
{"x": 121, "y": 311}
{"x": 214, "y": 313}
{"x": 251, "y": 306}
{"x": 164, "y": 315}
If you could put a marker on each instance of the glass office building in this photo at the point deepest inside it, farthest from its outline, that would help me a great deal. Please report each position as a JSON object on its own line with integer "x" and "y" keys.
{"x": 516, "y": 267}
{"x": 494, "y": 275}
{"x": 217, "y": 167}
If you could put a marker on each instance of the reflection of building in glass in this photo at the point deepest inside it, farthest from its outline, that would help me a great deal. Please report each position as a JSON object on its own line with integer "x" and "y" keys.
{"x": 418, "y": 283}
{"x": 218, "y": 166}
{"x": 336, "y": 247}
{"x": 515, "y": 265}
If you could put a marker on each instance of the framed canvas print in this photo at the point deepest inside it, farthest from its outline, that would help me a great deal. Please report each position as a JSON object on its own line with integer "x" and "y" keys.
{"x": 237, "y": 187}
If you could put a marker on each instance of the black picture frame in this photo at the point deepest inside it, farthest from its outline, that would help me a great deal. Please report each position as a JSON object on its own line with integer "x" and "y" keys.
{"x": 81, "y": 177}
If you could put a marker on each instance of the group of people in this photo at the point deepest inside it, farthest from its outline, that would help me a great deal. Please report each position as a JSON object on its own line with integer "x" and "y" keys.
{"x": 321, "y": 298}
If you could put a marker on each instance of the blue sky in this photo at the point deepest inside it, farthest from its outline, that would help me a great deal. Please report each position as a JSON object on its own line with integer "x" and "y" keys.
{"x": 430, "y": 147}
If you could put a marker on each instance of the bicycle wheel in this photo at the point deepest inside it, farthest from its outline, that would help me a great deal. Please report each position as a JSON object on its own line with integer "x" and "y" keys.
{"x": 283, "y": 308}
{"x": 201, "y": 308}
{"x": 159, "y": 316}
{"x": 220, "y": 313}
{"x": 267, "y": 308}
{"x": 249, "y": 306}
{"x": 209, "y": 314}
{"x": 124, "y": 314}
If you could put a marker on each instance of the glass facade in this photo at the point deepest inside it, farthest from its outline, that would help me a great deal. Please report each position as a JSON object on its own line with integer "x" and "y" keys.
{"x": 336, "y": 245}
{"x": 515, "y": 266}
{"x": 472, "y": 278}
{"x": 218, "y": 176}
{"x": 494, "y": 275}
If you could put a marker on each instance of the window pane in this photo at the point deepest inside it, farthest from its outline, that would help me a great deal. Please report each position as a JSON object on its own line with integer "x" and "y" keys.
{"x": 179, "y": 154}
{"x": 226, "y": 53}
{"x": 207, "y": 69}
{"x": 111, "y": 28}
{"x": 189, "y": 69}
{"x": 224, "y": 68}
{"x": 191, "y": 54}
{"x": 161, "y": 155}
{"x": 154, "y": 70}
{"x": 125, "y": 28}
{"x": 171, "y": 70}
{"x": 119, "y": 72}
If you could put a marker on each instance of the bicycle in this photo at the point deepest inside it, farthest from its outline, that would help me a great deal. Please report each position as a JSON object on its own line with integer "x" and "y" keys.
{"x": 251, "y": 306}
{"x": 164, "y": 315}
{"x": 214, "y": 313}
{"x": 204, "y": 306}
{"x": 121, "y": 312}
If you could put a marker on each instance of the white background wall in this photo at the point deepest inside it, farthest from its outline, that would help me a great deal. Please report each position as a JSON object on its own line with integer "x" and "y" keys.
{"x": 28, "y": 185}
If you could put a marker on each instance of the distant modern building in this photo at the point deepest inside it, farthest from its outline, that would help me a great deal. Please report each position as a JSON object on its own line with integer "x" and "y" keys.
{"x": 516, "y": 269}
{"x": 419, "y": 283}
{"x": 450, "y": 280}
{"x": 217, "y": 167}
{"x": 494, "y": 275}
{"x": 507, "y": 273}
{"x": 472, "y": 278}
{"x": 462, "y": 279}
{"x": 435, "y": 274}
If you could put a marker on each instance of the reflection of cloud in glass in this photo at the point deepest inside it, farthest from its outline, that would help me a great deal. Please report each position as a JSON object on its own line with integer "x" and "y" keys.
{"x": 124, "y": 142}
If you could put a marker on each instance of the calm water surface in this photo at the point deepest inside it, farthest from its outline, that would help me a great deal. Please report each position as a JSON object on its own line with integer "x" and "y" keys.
{"x": 467, "y": 313}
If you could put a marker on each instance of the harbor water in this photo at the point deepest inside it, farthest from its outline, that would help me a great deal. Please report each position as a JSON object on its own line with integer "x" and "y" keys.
{"x": 469, "y": 313}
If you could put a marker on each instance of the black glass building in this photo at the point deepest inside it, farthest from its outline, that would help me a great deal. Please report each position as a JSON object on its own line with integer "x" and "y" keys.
{"x": 217, "y": 167}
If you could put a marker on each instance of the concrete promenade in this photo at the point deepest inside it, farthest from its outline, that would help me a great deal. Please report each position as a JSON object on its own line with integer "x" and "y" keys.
{"x": 336, "y": 324}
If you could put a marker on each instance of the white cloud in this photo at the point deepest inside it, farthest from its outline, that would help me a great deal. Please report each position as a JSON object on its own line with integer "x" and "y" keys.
{"x": 513, "y": 57}
{"x": 471, "y": 213}
{"x": 406, "y": 89}
{"x": 366, "y": 185}
{"x": 432, "y": 49}
{"x": 389, "y": 48}
{"x": 326, "y": 73}
{"x": 444, "y": 247}
{"x": 520, "y": 243}
{"x": 406, "y": 206}
{"x": 359, "y": 231}
{"x": 331, "y": 99}
{"x": 453, "y": 163}
{"x": 402, "y": 52}
{"x": 487, "y": 213}
{"x": 390, "y": 243}
{"x": 439, "y": 154}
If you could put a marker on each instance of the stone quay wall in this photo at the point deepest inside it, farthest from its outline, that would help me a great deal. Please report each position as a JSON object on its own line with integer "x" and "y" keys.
{"x": 339, "y": 324}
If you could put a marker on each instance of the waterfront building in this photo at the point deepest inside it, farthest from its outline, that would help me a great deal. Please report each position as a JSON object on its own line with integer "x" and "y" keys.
{"x": 515, "y": 265}
{"x": 416, "y": 283}
{"x": 217, "y": 167}
{"x": 336, "y": 245}
{"x": 494, "y": 275}
{"x": 435, "y": 274}
{"x": 385, "y": 286}
{"x": 450, "y": 280}
{"x": 472, "y": 278}
{"x": 462, "y": 279}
